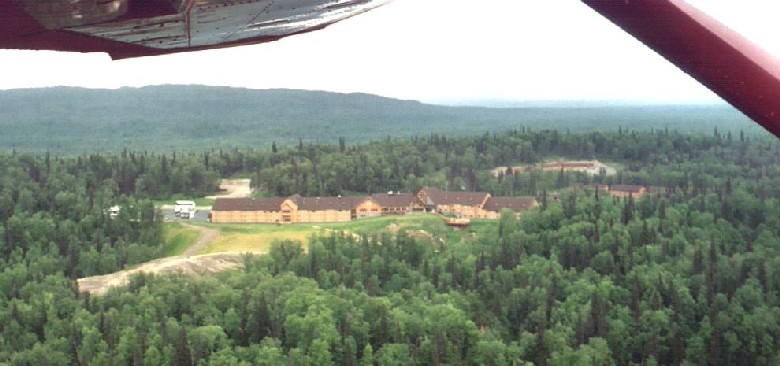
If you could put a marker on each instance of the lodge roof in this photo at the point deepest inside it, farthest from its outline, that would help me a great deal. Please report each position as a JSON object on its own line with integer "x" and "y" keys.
{"x": 516, "y": 204}
{"x": 459, "y": 197}
{"x": 627, "y": 188}
{"x": 311, "y": 203}
{"x": 393, "y": 200}
{"x": 327, "y": 203}
{"x": 275, "y": 203}
{"x": 248, "y": 204}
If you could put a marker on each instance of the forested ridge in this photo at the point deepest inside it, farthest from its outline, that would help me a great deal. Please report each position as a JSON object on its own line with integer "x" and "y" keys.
{"x": 686, "y": 276}
{"x": 193, "y": 118}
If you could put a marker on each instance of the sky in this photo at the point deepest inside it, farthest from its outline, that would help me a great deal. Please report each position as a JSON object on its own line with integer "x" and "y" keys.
{"x": 438, "y": 51}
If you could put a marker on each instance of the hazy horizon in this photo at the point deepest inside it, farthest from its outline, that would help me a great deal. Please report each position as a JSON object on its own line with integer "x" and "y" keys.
{"x": 454, "y": 102}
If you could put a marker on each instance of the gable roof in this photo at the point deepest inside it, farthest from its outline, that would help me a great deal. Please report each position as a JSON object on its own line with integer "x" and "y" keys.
{"x": 328, "y": 203}
{"x": 455, "y": 198}
{"x": 393, "y": 200}
{"x": 628, "y": 188}
{"x": 311, "y": 203}
{"x": 248, "y": 204}
{"x": 516, "y": 204}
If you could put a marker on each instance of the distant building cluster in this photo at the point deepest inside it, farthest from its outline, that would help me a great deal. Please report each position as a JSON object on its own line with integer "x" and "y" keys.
{"x": 593, "y": 167}
{"x": 621, "y": 190}
{"x": 590, "y": 167}
{"x": 298, "y": 209}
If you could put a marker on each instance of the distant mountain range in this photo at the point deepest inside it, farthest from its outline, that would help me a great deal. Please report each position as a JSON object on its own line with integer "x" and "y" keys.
{"x": 67, "y": 120}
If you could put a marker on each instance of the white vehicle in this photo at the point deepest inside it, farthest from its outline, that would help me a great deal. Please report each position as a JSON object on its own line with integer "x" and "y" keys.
{"x": 185, "y": 209}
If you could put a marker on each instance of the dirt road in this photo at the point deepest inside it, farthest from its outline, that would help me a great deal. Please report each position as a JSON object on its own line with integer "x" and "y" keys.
{"x": 188, "y": 262}
{"x": 207, "y": 236}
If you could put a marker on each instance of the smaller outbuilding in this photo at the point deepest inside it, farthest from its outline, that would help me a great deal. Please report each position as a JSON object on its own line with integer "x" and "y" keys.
{"x": 625, "y": 190}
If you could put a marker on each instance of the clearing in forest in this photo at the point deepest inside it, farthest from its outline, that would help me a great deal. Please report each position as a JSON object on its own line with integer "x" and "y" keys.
{"x": 183, "y": 242}
{"x": 257, "y": 238}
{"x": 197, "y": 265}
{"x": 208, "y": 248}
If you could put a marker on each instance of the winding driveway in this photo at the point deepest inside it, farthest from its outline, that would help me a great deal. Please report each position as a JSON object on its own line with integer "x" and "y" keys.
{"x": 208, "y": 235}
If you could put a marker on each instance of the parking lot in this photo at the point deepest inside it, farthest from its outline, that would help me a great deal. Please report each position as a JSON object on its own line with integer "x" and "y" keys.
{"x": 200, "y": 216}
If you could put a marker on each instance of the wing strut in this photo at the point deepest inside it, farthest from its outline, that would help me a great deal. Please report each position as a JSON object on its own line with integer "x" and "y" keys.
{"x": 721, "y": 59}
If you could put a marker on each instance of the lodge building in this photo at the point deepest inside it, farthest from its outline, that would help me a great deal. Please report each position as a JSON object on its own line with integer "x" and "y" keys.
{"x": 625, "y": 190}
{"x": 571, "y": 166}
{"x": 471, "y": 205}
{"x": 298, "y": 209}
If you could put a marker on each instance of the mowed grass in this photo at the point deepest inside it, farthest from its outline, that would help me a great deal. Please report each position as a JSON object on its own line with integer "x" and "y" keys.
{"x": 259, "y": 237}
{"x": 177, "y": 238}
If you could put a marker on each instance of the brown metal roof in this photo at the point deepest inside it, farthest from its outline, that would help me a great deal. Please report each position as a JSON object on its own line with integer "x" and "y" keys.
{"x": 393, "y": 200}
{"x": 328, "y": 203}
{"x": 588, "y": 186}
{"x": 248, "y": 204}
{"x": 456, "y": 198}
{"x": 275, "y": 203}
{"x": 516, "y": 204}
{"x": 628, "y": 188}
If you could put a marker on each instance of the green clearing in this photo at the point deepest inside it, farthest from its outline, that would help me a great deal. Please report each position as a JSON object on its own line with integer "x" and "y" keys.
{"x": 259, "y": 237}
{"x": 177, "y": 238}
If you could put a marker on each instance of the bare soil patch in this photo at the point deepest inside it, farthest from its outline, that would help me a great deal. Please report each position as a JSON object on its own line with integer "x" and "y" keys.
{"x": 233, "y": 188}
{"x": 188, "y": 263}
{"x": 198, "y": 265}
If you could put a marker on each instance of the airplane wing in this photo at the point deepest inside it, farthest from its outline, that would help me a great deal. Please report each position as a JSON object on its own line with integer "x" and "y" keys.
{"x": 132, "y": 28}
{"x": 727, "y": 63}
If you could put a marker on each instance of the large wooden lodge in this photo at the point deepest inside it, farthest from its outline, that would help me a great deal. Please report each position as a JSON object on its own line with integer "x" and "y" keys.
{"x": 298, "y": 209}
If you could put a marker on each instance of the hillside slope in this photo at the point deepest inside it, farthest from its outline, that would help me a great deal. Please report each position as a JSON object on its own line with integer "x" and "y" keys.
{"x": 161, "y": 118}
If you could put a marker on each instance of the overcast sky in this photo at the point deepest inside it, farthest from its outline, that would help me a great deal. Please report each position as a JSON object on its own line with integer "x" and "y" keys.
{"x": 431, "y": 50}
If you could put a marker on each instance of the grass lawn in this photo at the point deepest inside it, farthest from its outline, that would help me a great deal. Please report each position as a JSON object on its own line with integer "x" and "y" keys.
{"x": 257, "y": 240}
{"x": 259, "y": 237}
{"x": 177, "y": 238}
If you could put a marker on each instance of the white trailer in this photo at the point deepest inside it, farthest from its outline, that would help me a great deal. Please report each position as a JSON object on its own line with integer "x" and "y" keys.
{"x": 185, "y": 209}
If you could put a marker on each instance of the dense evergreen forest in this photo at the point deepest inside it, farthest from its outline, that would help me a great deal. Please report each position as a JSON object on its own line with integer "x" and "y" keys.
{"x": 192, "y": 118}
{"x": 687, "y": 276}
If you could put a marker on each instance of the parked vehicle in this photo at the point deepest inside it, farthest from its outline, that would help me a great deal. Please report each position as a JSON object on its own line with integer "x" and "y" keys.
{"x": 185, "y": 209}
